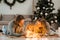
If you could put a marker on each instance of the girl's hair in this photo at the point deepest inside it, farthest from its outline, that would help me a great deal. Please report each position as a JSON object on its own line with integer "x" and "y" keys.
{"x": 19, "y": 18}
{"x": 16, "y": 22}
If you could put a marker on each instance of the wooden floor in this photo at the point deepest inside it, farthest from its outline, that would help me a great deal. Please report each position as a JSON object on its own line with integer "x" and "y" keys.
{"x": 4, "y": 37}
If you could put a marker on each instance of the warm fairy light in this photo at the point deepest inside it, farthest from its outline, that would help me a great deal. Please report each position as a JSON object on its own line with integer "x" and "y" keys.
{"x": 43, "y": 7}
{"x": 38, "y": 8}
{"x": 46, "y": 14}
{"x": 37, "y": 39}
{"x": 36, "y": 30}
{"x": 41, "y": 13}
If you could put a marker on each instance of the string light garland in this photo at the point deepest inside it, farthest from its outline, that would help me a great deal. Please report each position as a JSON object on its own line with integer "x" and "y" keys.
{"x": 10, "y": 4}
{"x": 13, "y": 3}
{"x": 21, "y": 1}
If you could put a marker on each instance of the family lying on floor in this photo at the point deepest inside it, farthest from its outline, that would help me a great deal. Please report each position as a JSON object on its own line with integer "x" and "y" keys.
{"x": 37, "y": 28}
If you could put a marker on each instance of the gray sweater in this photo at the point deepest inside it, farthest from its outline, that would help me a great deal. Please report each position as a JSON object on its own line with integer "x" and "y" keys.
{"x": 10, "y": 29}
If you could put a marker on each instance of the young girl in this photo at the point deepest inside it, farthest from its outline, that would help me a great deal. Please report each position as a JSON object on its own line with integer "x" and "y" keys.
{"x": 15, "y": 27}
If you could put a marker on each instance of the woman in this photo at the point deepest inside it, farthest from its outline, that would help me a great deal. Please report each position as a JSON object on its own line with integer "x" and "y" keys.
{"x": 15, "y": 27}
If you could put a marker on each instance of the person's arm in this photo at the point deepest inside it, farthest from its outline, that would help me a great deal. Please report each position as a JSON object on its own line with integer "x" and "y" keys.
{"x": 12, "y": 32}
{"x": 10, "y": 25}
{"x": 17, "y": 31}
{"x": 17, "y": 34}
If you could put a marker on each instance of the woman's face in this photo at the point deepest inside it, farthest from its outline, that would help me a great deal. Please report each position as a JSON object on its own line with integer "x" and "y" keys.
{"x": 21, "y": 23}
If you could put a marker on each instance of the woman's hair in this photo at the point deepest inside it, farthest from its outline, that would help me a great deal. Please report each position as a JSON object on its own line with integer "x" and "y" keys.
{"x": 19, "y": 18}
{"x": 16, "y": 22}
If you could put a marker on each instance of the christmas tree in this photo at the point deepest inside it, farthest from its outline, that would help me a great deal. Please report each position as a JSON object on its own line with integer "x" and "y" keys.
{"x": 58, "y": 16}
{"x": 44, "y": 10}
{"x": 0, "y": 1}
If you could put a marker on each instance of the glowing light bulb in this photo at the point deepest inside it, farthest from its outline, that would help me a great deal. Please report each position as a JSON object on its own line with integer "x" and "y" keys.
{"x": 46, "y": 14}
{"x": 52, "y": 21}
{"x": 48, "y": 0}
{"x": 35, "y": 18}
{"x": 43, "y": 7}
{"x": 55, "y": 20}
{"x": 46, "y": 8}
{"x": 21, "y": 0}
{"x": 55, "y": 16}
{"x": 51, "y": 4}
{"x": 41, "y": 13}
{"x": 48, "y": 3}
{"x": 38, "y": 7}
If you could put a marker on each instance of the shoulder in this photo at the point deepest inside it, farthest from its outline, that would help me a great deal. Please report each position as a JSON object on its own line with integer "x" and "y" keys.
{"x": 11, "y": 23}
